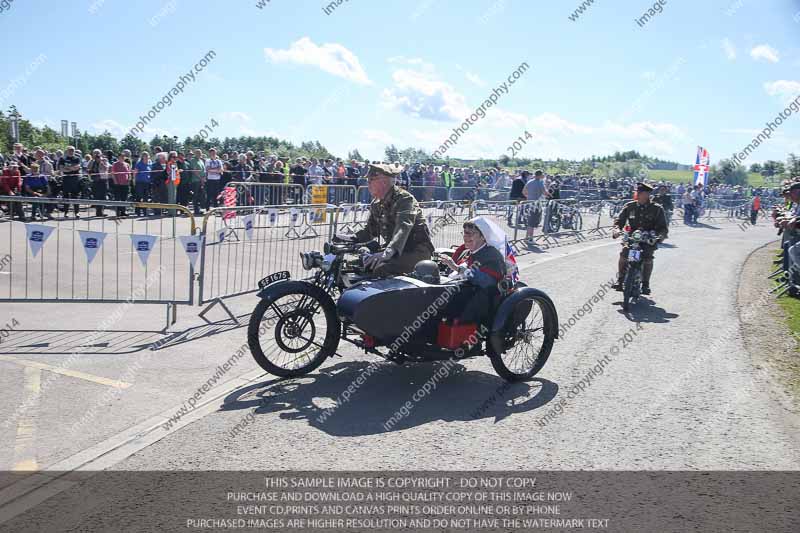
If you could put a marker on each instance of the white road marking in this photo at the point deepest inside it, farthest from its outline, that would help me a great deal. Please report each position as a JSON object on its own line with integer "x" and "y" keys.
{"x": 33, "y": 490}
{"x": 66, "y": 372}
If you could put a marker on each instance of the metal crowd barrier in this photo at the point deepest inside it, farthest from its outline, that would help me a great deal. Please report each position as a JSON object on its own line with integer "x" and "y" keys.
{"x": 61, "y": 270}
{"x": 243, "y": 244}
{"x": 258, "y": 193}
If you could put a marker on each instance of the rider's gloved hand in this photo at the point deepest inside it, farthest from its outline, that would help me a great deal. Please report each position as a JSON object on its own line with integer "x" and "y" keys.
{"x": 373, "y": 260}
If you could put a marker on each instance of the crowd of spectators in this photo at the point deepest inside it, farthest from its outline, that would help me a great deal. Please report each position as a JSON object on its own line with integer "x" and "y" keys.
{"x": 194, "y": 178}
{"x": 786, "y": 217}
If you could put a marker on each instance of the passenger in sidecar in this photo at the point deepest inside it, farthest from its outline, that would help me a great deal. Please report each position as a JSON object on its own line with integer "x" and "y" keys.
{"x": 480, "y": 262}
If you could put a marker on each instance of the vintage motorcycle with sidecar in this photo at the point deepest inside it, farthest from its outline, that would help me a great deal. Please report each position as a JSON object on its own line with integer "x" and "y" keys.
{"x": 297, "y": 324}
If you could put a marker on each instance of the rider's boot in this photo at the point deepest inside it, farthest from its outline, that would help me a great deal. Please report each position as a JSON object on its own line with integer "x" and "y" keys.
{"x": 647, "y": 271}
{"x": 622, "y": 265}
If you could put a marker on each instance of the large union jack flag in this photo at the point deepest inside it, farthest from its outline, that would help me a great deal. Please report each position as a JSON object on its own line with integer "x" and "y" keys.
{"x": 701, "y": 166}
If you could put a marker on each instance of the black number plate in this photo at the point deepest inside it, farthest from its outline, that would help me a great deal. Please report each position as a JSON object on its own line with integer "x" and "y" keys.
{"x": 272, "y": 278}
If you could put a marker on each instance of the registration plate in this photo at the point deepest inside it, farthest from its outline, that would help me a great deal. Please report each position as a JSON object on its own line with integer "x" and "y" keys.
{"x": 272, "y": 278}
{"x": 634, "y": 255}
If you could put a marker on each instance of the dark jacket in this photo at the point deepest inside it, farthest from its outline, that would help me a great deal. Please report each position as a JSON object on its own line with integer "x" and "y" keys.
{"x": 398, "y": 221}
{"x": 517, "y": 187}
{"x": 647, "y": 217}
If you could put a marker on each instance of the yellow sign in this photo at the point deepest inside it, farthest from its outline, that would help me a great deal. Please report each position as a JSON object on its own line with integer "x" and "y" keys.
{"x": 319, "y": 195}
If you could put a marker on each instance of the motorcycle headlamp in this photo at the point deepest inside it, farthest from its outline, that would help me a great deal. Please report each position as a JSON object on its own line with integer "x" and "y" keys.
{"x": 327, "y": 262}
{"x": 311, "y": 259}
{"x": 637, "y": 235}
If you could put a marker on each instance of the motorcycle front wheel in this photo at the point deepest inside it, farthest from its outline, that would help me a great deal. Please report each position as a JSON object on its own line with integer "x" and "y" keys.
{"x": 631, "y": 285}
{"x": 293, "y": 329}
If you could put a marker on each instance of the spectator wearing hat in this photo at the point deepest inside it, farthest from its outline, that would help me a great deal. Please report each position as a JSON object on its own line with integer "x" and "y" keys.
{"x": 644, "y": 215}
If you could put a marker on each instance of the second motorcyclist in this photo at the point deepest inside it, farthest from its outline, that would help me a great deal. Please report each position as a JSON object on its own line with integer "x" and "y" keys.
{"x": 641, "y": 214}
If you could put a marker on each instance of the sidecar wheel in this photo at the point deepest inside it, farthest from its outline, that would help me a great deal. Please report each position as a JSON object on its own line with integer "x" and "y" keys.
{"x": 293, "y": 329}
{"x": 521, "y": 348}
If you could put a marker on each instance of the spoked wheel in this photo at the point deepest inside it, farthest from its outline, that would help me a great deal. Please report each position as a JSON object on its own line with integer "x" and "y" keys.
{"x": 631, "y": 285}
{"x": 555, "y": 220}
{"x": 293, "y": 329}
{"x": 577, "y": 221}
{"x": 528, "y": 337}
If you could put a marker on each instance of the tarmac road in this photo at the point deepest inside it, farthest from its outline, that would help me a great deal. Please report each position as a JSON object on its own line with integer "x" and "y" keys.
{"x": 682, "y": 393}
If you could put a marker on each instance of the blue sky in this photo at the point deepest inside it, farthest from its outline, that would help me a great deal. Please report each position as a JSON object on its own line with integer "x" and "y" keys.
{"x": 408, "y": 72}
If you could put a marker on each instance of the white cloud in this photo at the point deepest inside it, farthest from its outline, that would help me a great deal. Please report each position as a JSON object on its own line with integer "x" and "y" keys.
{"x": 643, "y": 131}
{"x": 553, "y": 123}
{"x": 786, "y": 89}
{"x": 649, "y": 75}
{"x": 112, "y": 126}
{"x": 765, "y": 52}
{"x": 415, "y": 62}
{"x": 421, "y": 95}
{"x": 239, "y": 116}
{"x": 378, "y": 136}
{"x": 740, "y": 131}
{"x": 730, "y": 50}
{"x": 332, "y": 58}
{"x": 474, "y": 78}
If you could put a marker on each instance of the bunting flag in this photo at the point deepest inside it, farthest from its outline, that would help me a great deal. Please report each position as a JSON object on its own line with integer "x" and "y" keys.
{"x": 247, "y": 221}
{"x": 37, "y": 236}
{"x": 191, "y": 245}
{"x": 272, "y": 216}
{"x": 91, "y": 241}
{"x": 294, "y": 216}
{"x": 143, "y": 245}
{"x": 701, "y": 166}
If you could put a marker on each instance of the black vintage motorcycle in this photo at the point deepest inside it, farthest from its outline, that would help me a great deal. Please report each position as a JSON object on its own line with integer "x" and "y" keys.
{"x": 298, "y": 324}
{"x": 632, "y": 285}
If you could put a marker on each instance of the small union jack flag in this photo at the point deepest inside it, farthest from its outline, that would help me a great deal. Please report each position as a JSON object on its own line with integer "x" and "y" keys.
{"x": 511, "y": 261}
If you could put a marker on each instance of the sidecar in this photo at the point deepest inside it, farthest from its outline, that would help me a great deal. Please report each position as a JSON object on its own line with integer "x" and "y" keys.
{"x": 418, "y": 321}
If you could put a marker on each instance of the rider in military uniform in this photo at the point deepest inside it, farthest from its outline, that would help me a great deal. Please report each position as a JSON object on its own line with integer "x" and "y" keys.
{"x": 396, "y": 218}
{"x": 644, "y": 215}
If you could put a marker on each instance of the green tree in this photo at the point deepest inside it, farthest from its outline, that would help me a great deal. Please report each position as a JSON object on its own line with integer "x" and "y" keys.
{"x": 391, "y": 153}
{"x": 355, "y": 154}
{"x": 793, "y": 165}
{"x": 728, "y": 172}
{"x": 771, "y": 168}
{"x": 132, "y": 143}
{"x": 756, "y": 167}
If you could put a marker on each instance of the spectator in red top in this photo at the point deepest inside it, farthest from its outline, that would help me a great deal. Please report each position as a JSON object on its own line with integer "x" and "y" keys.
{"x": 120, "y": 183}
{"x": 10, "y": 183}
